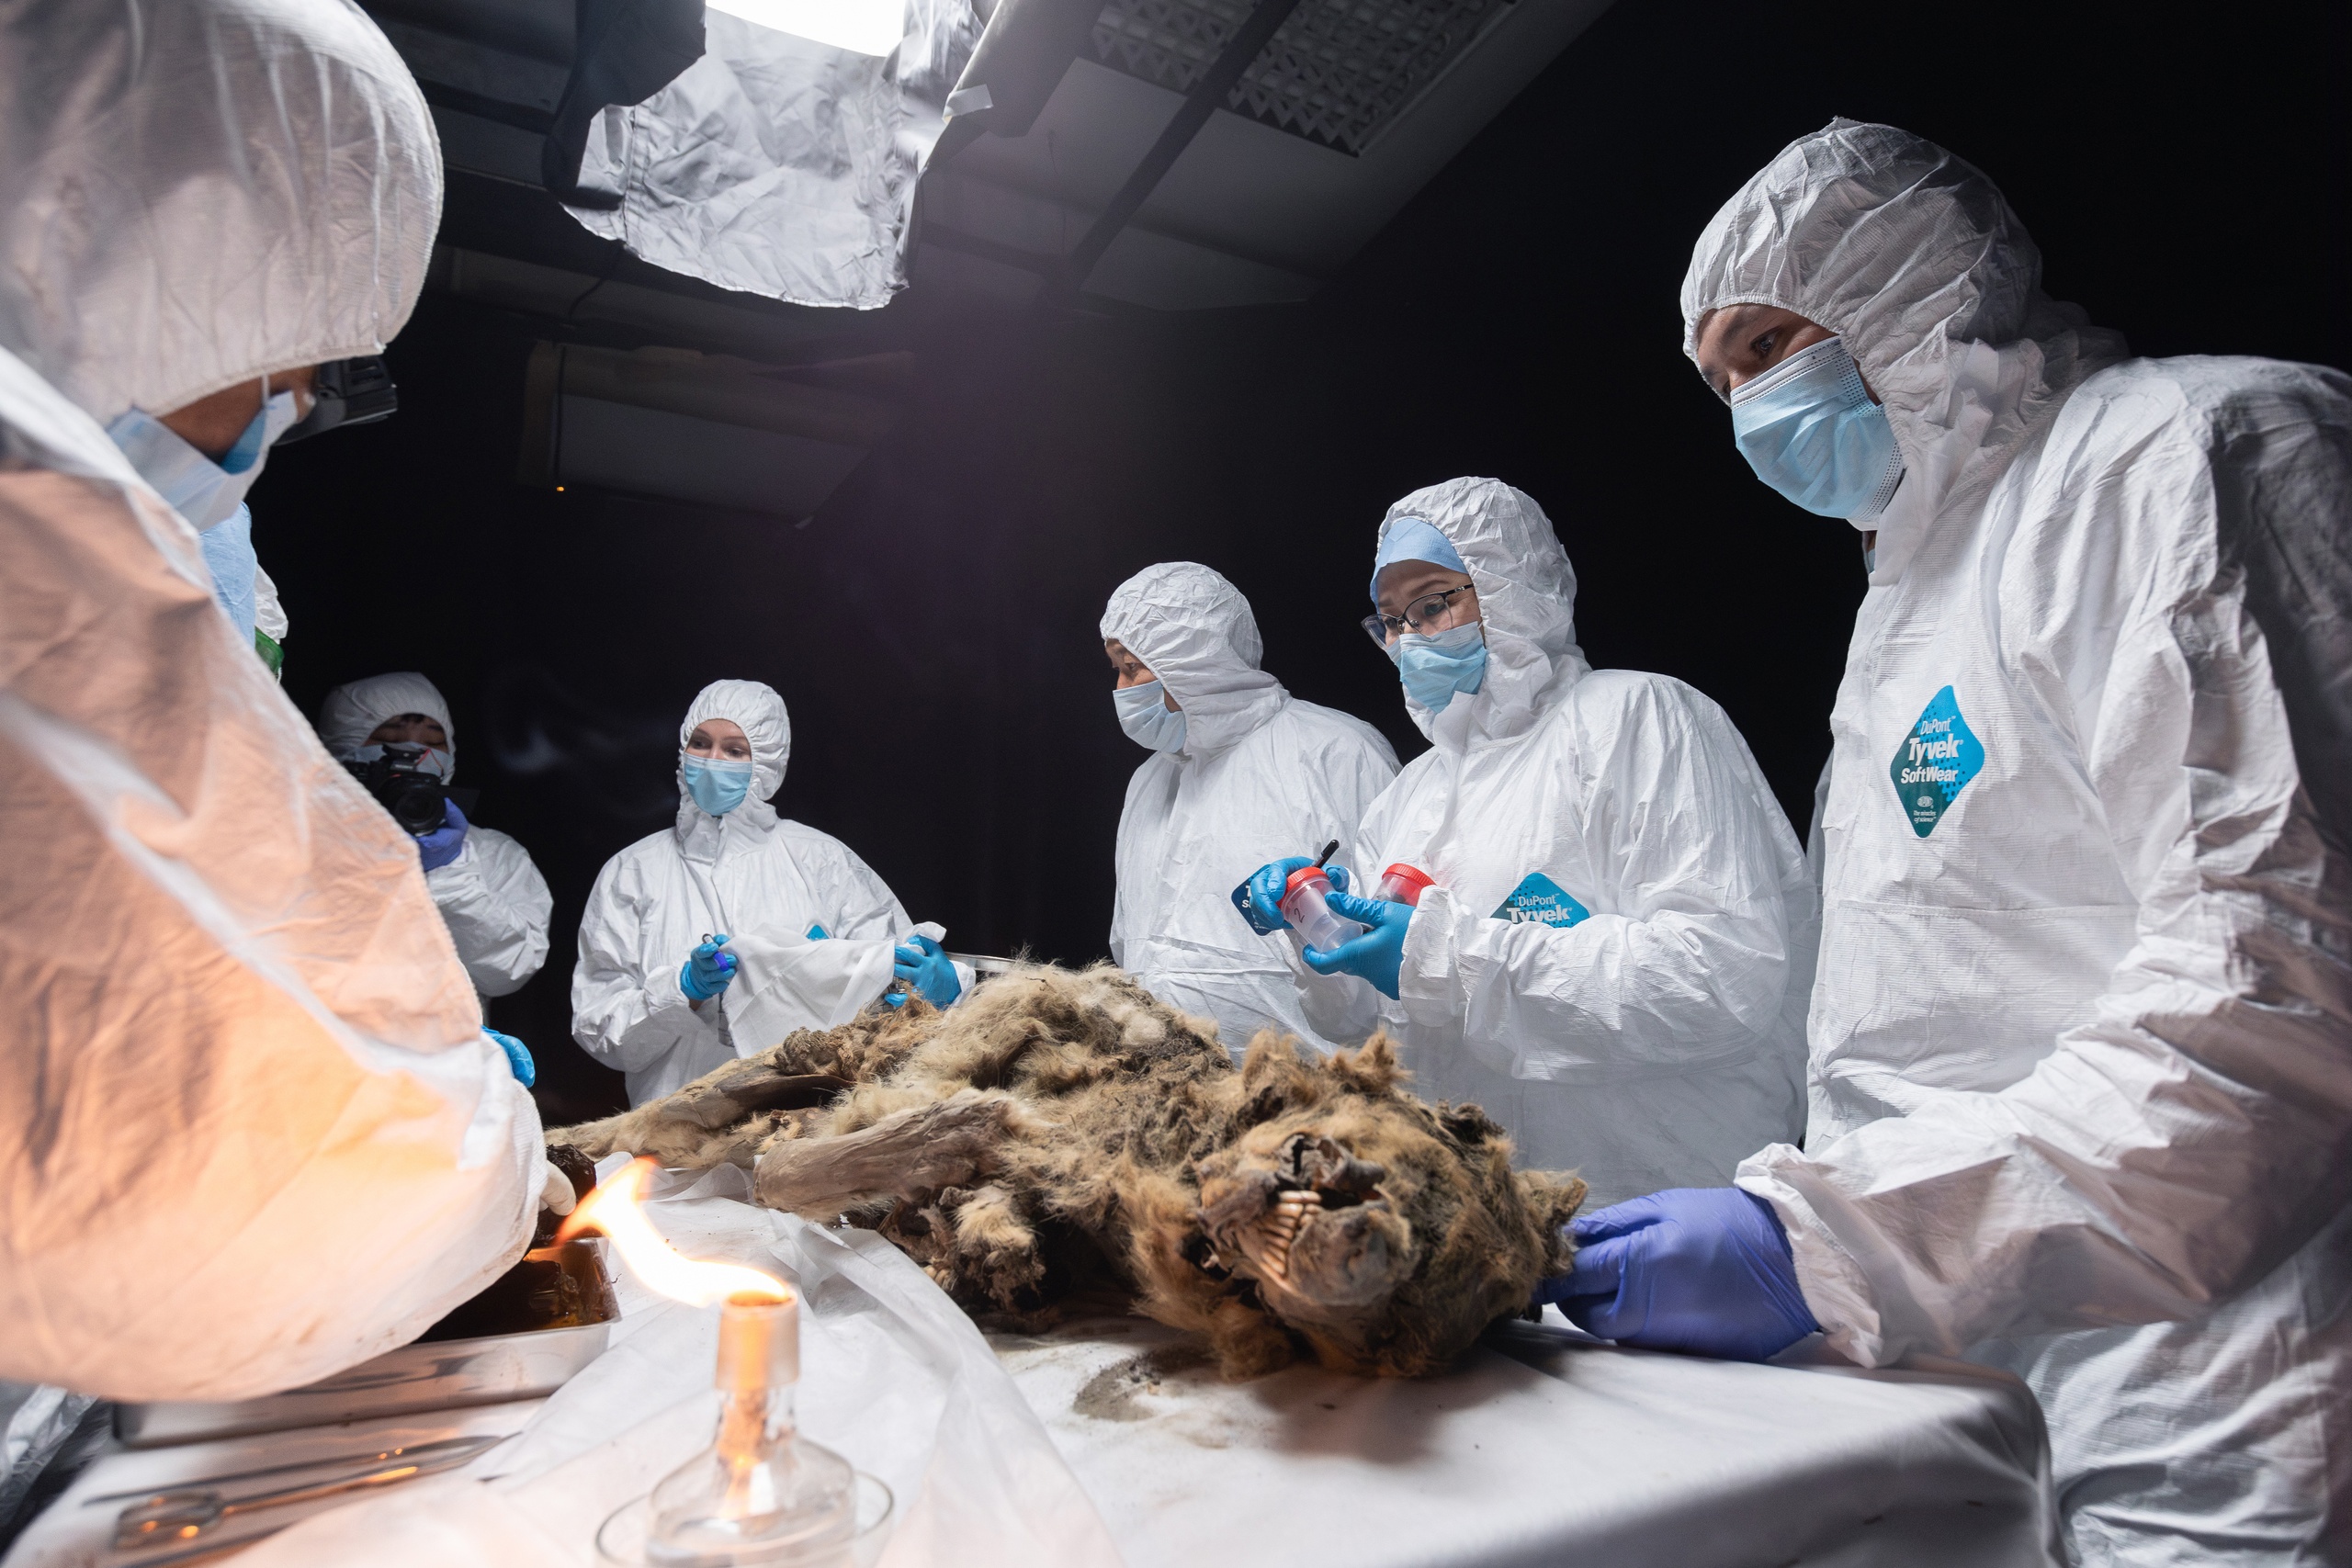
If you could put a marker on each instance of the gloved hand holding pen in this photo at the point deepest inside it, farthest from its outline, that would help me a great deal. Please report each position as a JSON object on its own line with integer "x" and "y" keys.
{"x": 1260, "y": 899}
{"x": 709, "y": 970}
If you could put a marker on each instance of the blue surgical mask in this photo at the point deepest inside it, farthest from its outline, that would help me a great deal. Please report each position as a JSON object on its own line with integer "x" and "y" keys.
{"x": 229, "y": 554}
{"x": 1808, "y": 428}
{"x": 718, "y": 788}
{"x": 1438, "y": 668}
{"x": 205, "y": 492}
{"x": 1144, "y": 715}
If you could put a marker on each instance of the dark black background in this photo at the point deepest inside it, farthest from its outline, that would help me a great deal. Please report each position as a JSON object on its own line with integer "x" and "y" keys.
{"x": 933, "y": 627}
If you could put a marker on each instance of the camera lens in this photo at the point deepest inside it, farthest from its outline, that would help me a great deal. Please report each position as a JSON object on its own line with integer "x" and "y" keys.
{"x": 418, "y": 808}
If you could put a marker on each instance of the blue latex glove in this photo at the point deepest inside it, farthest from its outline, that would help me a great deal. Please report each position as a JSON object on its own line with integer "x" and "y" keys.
{"x": 815, "y": 933}
{"x": 709, "y": 970}
{"x": 439, "y": 846}
{"x": 1260, "y": 899}
{"x": 1378, "y": 954}
{"x": 924, "y": 966}
{"x": 1706, "y": 1269}
{"x": 518, "y": 1057}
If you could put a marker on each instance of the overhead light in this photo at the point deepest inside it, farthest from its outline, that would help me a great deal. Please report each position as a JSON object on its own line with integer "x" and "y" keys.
{"x": 1337, "y": 72}
{"x": 861, "y": 27}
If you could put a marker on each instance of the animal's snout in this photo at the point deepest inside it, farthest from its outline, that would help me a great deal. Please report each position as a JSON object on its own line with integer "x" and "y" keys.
{"x": 1354, "y": 1257}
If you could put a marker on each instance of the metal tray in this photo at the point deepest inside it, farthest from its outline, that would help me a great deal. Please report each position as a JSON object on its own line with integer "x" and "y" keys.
{"x": 449, "y": 1375}
{"x": 434, "y": 1373}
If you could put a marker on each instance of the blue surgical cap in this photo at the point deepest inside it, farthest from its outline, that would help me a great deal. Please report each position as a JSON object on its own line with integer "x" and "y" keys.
{"x": 1410, "y": 538}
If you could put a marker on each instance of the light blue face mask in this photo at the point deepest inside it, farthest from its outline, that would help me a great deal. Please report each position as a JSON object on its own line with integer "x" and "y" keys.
{"x": 228, "y": 553}
{"x": 1438, "y": 668}
{"x": 718, "y": 788}
{"x": 1808, "y": 428}
{"x": 205, "y": 492}
{"x": 1145, "y": 716}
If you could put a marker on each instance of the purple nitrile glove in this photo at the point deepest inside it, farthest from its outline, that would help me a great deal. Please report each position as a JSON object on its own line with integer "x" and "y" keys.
{"x": 1706, "y": 1269}
{"x": 439, "y": 846}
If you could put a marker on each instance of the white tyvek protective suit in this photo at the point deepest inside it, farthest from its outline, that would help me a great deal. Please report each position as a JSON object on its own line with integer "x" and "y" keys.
{"x": 2082, "y": 1034}
{"x": 1261, "y": 774}
{"x": 749, "y": 874}
{"x": 250, "y": 1128}
{"x": 1647, "y": 1029}
{"x": 492, "y": 897}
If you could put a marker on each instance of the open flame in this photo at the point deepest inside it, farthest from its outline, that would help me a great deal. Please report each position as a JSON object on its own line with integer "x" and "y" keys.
{"x": 616, "y": 1208}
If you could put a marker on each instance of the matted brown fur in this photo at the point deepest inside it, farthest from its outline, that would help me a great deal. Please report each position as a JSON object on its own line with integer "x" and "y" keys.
{"x": 1055, "y": 1122}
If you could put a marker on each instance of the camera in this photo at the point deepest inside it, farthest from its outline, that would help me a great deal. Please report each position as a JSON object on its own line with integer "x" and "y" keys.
{"x": 401, "y": 784}
{"x": 346, "y": 391}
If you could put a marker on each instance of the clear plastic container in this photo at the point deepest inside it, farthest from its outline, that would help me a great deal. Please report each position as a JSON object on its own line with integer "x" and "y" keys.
{"x": 1402, "y": 883}
{"x": 1304, "y": 908}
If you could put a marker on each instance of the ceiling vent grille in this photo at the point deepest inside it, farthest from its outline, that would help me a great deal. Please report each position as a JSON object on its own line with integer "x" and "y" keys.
{"x": 1337, "y": 71}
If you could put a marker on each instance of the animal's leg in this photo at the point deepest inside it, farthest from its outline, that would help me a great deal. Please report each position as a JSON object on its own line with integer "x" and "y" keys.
{"x": 952, "y": 1143}
{"x": 996, "y": 1251}
{"x": 702, "y": 1124}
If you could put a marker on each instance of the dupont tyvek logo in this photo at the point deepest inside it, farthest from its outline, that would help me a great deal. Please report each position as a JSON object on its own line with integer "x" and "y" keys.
{"x": 1541, "y": 900}
{"x": 1937, "y": 759}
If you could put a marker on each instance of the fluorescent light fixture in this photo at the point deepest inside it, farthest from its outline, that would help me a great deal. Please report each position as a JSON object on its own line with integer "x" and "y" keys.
{"x": 1338, "y": 72}
{"x": 861, "y": 27}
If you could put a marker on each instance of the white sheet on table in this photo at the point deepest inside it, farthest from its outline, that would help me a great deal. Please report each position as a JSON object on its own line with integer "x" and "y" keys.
{"x": 893, "y": 1377}
{"x": 1542, "y": 1448}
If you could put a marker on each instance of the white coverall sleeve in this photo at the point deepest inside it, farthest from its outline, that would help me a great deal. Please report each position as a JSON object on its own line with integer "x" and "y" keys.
{"x": 2194, "y": 1127}
{"x": 611, "y": 993}
{"x": 1693, "y": 964}
{"x": 862, "y": 902}
{"x": 868, "y": 909}
{"x": 496, "y": 905}
{"x": 251, "y": 1129}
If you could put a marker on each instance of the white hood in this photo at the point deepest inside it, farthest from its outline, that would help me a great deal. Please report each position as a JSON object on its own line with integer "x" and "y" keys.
{"x": 352, "y": 711}
{"x": 757, "y": 708}
{"x": 760, "y": 711}
{"x": 1913, "y": 258}
{"x": 1196, "y": 632}
{"x": 161, "y": 238}
{"x": 1527, "y": 597}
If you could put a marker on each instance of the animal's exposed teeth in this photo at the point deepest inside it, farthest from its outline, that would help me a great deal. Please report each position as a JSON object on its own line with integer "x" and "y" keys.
{"x": 1268, "y": 1242}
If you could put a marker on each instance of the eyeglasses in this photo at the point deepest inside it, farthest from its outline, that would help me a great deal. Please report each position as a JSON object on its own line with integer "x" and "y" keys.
{"x": 1427, "y": 610}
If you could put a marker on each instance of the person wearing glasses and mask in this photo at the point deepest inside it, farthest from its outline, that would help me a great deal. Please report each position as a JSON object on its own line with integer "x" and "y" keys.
{"x": 1240, "y": 770}
{"x": 1614, "y": 954}
{"x": 656, "y": 942}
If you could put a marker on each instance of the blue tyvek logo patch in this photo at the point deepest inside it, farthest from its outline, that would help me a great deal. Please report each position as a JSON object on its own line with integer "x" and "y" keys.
{"x": 1540, "y": 899}
{"x": 1935, "y": 762}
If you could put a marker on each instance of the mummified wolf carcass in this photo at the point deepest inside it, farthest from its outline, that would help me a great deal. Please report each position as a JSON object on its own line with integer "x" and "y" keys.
{"x": 1056, "y": 1121}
